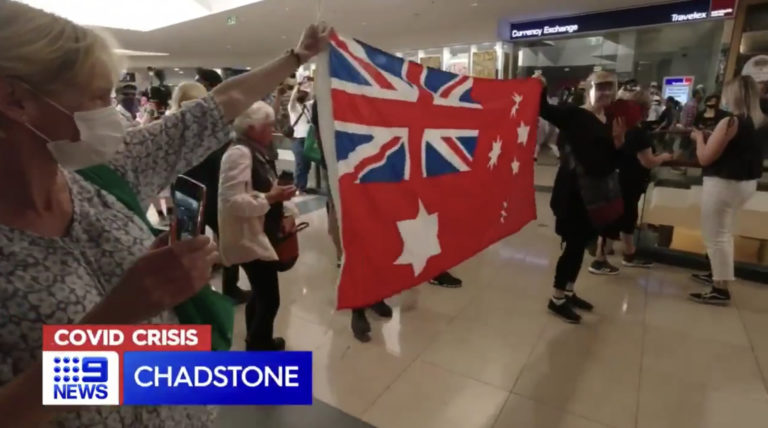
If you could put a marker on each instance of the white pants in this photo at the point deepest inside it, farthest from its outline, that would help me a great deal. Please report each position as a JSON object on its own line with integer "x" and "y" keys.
{"x": 721, "y": 201}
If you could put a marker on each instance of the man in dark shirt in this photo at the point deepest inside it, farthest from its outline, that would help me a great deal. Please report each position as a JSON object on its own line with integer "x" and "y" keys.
{"x": 207, "y": 172}
{"x": 712, "y": 114}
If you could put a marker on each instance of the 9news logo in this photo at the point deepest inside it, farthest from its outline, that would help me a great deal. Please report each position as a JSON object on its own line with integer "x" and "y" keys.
{"x": 81, "y": 378}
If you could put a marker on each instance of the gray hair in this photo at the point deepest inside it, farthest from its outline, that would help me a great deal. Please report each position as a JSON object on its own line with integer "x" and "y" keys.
{"x": 257, "y": 115}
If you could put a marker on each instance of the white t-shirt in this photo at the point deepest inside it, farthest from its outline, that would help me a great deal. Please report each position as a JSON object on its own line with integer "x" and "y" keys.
{"x": 301, "y": 128}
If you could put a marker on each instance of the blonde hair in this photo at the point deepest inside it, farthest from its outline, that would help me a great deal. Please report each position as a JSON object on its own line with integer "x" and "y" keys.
{"x": 598, "y": 77}
{"x": 49, "y": 52}
{"x": 256, "y": 115}
{"x": 187, "y": 91}
{"x": 742, "y": 95}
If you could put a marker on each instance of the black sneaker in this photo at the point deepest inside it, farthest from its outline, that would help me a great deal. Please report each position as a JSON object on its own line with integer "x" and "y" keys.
{"x": 381, "y": 309}
{"x": 277, "y": 344}
{"x": 446, "y": 280}
{"x": 603, "y": 268}
{"x": 579, "y": 303}
{"x": 564, "y": 311}
{"x": 633, "y": 261}
{"x": 361, "y": 328}
{"x": 705, "y": 278}
{"x": 713, "y": 296}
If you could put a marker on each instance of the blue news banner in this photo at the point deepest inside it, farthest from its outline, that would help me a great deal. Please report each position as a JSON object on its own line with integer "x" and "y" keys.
{"x": 217, "y": 378}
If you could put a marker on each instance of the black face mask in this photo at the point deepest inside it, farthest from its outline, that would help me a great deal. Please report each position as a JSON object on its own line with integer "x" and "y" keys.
{"x": 712, "y": 106}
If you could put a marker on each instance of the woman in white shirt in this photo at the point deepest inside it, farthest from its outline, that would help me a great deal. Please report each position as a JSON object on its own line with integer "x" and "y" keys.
{"x": 253, "y": 213}
{"x": 300, "y": 109}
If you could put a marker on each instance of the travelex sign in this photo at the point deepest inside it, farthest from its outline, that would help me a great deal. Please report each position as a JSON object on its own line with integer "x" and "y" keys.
{"x": 110, "y": 365}
{"x": 682, "y": 11}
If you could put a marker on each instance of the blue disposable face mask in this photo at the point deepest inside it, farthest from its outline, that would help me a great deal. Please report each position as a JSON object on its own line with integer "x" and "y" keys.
{"x": 102, "y": 135}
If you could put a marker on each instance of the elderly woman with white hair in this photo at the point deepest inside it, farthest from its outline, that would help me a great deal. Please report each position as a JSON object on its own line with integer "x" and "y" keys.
{"x": 70, "y": 252}
{"x": 253, "y": 213}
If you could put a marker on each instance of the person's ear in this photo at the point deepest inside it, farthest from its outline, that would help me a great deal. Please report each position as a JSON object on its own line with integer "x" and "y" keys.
{"x": 252, "y": 133}
{"x": 15, "y": 100}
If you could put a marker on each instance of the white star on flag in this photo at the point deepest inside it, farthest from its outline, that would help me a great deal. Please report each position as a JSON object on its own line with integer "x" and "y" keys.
{"x": 420, "y": 240}
{"x": 522, "y": 133}
{"x": 494, "y": 153}
{"x": 503, "y": 211}
{"x": 517, "y": 98}
{"x": 515, "y": 166}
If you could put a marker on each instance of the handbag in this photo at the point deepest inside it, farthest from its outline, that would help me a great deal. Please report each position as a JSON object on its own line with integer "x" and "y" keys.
{"x": 602, "y": 198}
{"x": 207, "y": 306}
{"x": 289, "y": 130}
{"x": 311, "y": 146}
{"x": 287, "y": 248}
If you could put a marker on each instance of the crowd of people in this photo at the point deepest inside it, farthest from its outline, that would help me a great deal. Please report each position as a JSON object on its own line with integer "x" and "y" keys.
{"x": 606, "y": 153}
{"x": 74, "y": 253}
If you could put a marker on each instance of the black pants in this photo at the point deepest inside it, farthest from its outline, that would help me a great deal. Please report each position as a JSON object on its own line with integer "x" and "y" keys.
{"x": 575, "y": 240}
{"x": 261, "y": 309}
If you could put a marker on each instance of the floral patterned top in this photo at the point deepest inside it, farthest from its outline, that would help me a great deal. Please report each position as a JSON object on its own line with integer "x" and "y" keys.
{"x": 57, "y": 280}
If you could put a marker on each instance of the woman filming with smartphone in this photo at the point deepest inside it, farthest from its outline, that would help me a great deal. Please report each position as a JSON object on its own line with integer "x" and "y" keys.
{"x": 71, "y": 251}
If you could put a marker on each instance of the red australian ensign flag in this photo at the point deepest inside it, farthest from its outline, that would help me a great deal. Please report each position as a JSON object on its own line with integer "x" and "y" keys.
{"x": 427, "y": 167}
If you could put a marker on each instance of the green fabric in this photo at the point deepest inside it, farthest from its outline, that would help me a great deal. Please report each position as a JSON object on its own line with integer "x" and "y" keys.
{"x": 311, "y": 148}
{"x": 207, "y": 306}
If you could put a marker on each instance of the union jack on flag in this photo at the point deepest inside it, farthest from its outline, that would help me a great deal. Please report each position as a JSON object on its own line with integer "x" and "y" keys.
{"x": 431, "y": 167}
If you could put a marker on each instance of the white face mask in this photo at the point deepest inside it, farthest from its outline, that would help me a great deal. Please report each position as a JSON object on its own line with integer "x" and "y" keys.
{"x": 102, "y": 135}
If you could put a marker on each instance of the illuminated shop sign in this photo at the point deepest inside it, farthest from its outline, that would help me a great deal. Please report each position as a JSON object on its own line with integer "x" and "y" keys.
{"x": 683, "y": 11}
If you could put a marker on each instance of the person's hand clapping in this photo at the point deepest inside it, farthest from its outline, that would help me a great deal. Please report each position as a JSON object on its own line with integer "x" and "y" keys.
{"x": 280, "y": 193}
{"x": 162, "y": 278}
{"x": 697, "y": 135}
{"x": 313, "y": 41}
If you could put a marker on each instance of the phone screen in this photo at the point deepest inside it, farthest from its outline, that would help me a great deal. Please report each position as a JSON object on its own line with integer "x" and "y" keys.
{"x": 189, "y": 205}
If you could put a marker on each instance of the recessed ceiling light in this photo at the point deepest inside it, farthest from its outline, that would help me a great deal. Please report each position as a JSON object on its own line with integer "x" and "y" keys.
{"x": 474, "y": 4}
{"x": 164, "y": 13}
{"x": 285, "y": 37}
{"x": 364, "y": 23}
{"x": 181, "y": 72}
{"x": 176, "y": 69}
{"x": 128, "y": 52}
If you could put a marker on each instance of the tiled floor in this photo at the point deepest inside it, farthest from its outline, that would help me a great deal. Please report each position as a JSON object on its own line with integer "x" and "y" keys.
{"x": 489, "y": 354}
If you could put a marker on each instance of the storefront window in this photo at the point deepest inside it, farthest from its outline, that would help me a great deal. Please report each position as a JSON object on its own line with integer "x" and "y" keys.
{"x": 431, "y": 58}
{"x": 457, "y": 59}
{"x": 647, "y": 54}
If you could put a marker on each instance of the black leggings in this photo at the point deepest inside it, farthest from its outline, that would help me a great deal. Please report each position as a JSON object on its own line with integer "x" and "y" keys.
{"x": 261, "y": 309}
{"x": 569, "y": 263}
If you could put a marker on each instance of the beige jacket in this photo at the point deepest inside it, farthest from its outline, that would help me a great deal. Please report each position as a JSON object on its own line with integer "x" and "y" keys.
{"x": 242, "y": 210}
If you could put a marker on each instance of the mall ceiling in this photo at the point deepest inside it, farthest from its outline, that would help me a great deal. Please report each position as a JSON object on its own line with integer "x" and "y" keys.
{"x": 265, "y": 29}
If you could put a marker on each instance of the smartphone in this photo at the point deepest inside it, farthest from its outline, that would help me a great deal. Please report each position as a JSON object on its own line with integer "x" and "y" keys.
{"x": 285, "y": 178}
{"x": 188, "y": 198}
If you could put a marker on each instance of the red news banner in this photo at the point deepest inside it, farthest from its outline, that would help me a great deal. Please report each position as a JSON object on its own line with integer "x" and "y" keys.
{"x": 121, "y": 338}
